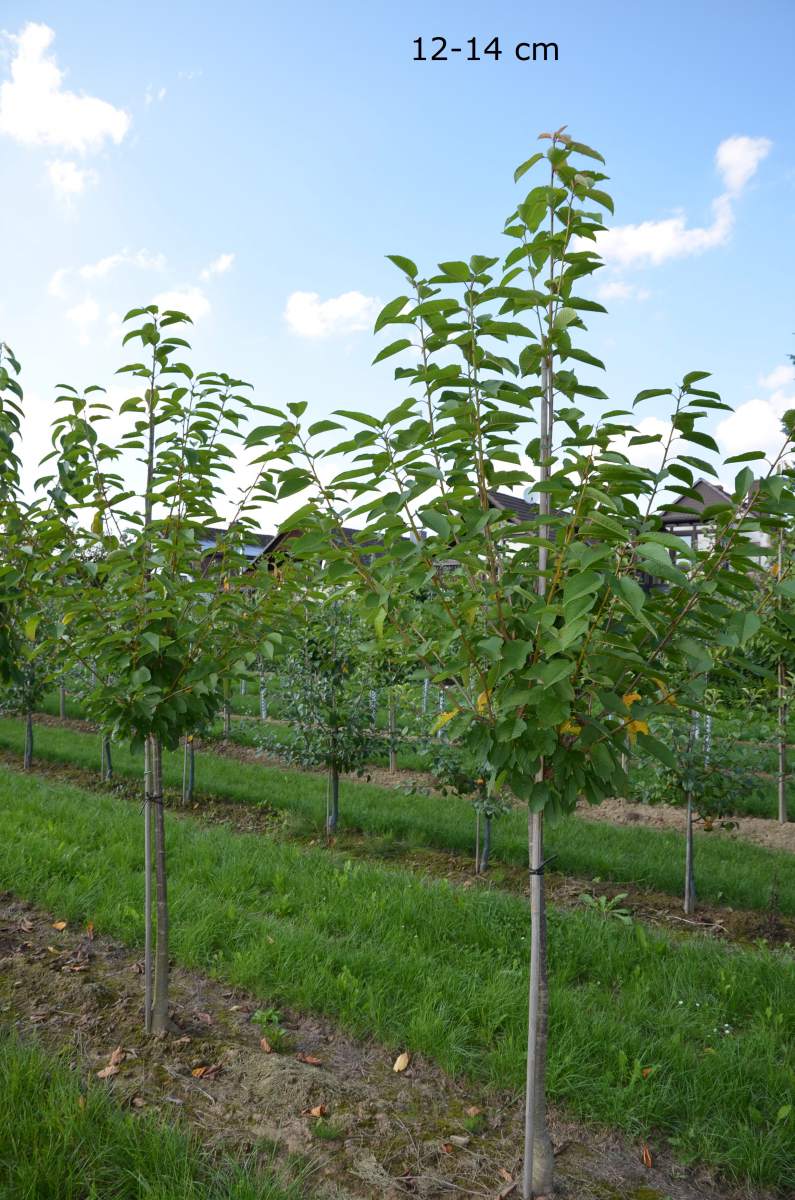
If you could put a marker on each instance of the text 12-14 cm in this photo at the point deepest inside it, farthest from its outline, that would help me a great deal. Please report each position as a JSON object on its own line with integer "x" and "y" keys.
{"x": 438, "y": 49}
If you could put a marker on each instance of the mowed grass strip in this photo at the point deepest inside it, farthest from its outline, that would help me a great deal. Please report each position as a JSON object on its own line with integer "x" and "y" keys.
{"x": 61, "y": 1139}
{"x": 690, "y": 1039}
{"x": 734, "y": 873}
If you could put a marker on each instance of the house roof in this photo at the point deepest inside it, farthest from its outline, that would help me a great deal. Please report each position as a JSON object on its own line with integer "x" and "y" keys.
{"x": 523, "y": 510}
{"x": 690, "y": 509}
{"x": 255, "y": 542}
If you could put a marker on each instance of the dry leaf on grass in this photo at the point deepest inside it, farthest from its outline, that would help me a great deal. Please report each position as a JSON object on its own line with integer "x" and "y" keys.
{"x": 459, "y": 1139}
{"x": 447, "y": 1148}
{"x": 90, "y": 931}
{"x": 265, "y": 1045}
{"x": 474, "y": 1111}
{"x": 138, "y": 1102}
{"x": 204, "y": 1017}
{"x": 319, "y": 1110}
{"x": 59, "y": 925}
{"x": 205, "y": 1072}
{"x": 112, "y": 1067}
{"x": 310, "y": 1060}
{"x": 506, "y": 1175}
{"x": 401, "y": 1062}
{"x": 646, "y": 1156}
{"x": 25, "y": 925}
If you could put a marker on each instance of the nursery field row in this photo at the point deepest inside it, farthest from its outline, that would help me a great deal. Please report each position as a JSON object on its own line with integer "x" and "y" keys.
{"x": 745, "y": 755}
{"x": 688, "y": 1039}
{"x": 729, "y": 872}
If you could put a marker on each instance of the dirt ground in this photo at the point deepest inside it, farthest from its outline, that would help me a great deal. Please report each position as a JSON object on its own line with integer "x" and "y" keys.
{"x": 387, "y": 1134}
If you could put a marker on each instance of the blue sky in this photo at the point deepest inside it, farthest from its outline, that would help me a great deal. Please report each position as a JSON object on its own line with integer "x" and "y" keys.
{"x": 264, "y": 158}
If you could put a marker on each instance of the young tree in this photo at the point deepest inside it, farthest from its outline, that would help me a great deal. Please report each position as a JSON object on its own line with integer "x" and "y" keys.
{"x": 557, "y": 657}
{"x": 328, "y": 704}
{"x": 156, "y": 621}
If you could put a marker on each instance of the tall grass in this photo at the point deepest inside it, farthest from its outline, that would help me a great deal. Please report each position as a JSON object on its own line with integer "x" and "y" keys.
{"x": 62, "y": 1141}
{"x": 733, "y": 873}
{"x": 652, "y": 1035}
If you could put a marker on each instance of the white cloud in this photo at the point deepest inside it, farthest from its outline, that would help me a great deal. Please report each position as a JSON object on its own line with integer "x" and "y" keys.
{"x": 152, "y": 94}
{"x": 36, "y": 110}
{"x": 756, "y": 425}
{"x": 219, "y": 266}
{"x": 737, "y": 159}
{"x": 619, "y": 289}
{"x": 138, "y": 258}
{"x": 84, "y": 315}
{"x": 190, "y": 300}
{"x": 68, "y": 178}
{"x": 309, "y": 316}
{"x": 779, "y": 377}
{"x": 651, "y": 243}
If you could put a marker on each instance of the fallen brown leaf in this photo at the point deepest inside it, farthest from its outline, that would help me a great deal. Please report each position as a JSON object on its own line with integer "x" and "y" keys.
{"x": 205, "y": 1018}
{"x": 138, "y": 1102}
{"x": 459, "y": 1139}
{"x": 310, "y": 1060}
{"x": 25, "y": 925}
{"x": 401, "y": 1062}
{"x": 506, "y": 1175}
{"x": 447, "y": 1148}
{"x": 182, "y": 1041}
{"x": 646, "y": 1156}
{"x": 205, "y": 1072}
{"x": 319, "y": 1110}
{"x": 474, "y": 1111}
{"x": 90, "y": 931}
{"x": 265, "y": 1045}
{"x": 646, "y": 1072}
{"x": 59, "y": 925}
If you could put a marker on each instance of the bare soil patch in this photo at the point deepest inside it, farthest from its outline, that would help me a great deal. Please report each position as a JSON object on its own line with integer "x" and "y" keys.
{"x": 398, "y": 1135}
{"x": 763, "y": 832}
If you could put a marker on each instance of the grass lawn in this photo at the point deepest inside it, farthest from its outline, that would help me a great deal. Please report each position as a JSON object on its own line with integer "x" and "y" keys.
{"x": 650, "y": 1034}
{"x": 61, "y": 1140}
{"x": 733, "y": 873}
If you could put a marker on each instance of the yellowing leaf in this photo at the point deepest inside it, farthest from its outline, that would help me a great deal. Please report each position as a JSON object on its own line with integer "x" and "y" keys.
{"x": 483, "y": 701}
{"x": 59, "y": 925}
{"x": 443, "y": 718}
{"x": 570, "y": 727}
{"x": 630, "y": 698}
{"x": 401, "y": 1062}
{"x": 636, "y": 727}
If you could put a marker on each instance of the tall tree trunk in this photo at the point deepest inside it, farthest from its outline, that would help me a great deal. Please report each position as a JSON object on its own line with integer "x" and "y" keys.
{"x": 392, "y": 720}
{"x": 426, "y": 688}
{"x": 373, "y": 707}
{"x": 188, "y": 769}
{"x": 485, "y": 852}
{"x": 160, "y": 1020}
{"x": 242, "y": 687}
{"x": 263, "y": 699}
{"x": 62, "y": 702}
{"x": 227, "y": 720}
{"x": 690, "y": 876}
{"x": 107, "y": 759}
{"x": 27, "y": 758}
{"x": 782, "y": 743}
{"x": 537, "y": 1176}
{"x": 334, "y": 807}
{"x": 148, "y": 973}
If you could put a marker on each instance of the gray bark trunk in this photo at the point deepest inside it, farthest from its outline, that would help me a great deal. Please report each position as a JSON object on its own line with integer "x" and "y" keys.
{"x": 227, "y": 720}
{"x": 782, "y": 744}
{"x": 690, "y": 877}
{"x": 107, "y": 759}
{"x": 392, "y": 735}
{"x": 148, "y": 886}
{"x": 485, "y": 851}
{"x": 263, "y": 699}
{"x": 160, "y": 1022}
{"x": 334, "y": 807}
{"x": 537, "y": 1176}
{"x": 62, "y": 702}
{"x": 27, "y": 758}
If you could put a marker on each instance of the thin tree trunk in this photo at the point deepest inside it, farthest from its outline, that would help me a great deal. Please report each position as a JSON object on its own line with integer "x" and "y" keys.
{"x": 62, "y": 702}
{"x": 537, "y": 1176}
{"x": 27, "y": 758}
{"x": 107, "y": 759}
{"x": 263, "y": 699}
{"x": 539, "y": 1162}
{"x": 782, "y": 743}
{"x": 334, "y": 809}
{"x": 227, "y": 720}
{"x": 190, "y": 747}
{"x": 477, "y": 841}
{"x": 441, "y": 709}
{"x": 373, "y": 707}
{"x": 426, "y": 687}
{"x": 690, "y": 878}
{"x": 483, "y": 864}
{"x": 160, "y": 997}
{"x": 392, "y": 735}
{"x": 242, "y": 687}
{"x": 148, "y": 885}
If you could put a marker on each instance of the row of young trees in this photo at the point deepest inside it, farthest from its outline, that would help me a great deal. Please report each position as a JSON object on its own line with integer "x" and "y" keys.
{"x": 558, "y": 661}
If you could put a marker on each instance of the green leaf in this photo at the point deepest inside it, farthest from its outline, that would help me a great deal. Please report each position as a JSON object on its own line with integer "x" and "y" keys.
{"x": 459, "y": 271}
{"x": 323, "y": 427}
{"x": 392, "y": 348}
{"x": 405, "y": 264}
{"x": 526, "y": 166}
{"x": 31, "y": 625}
{"x": 658, "y": 750}
{"x": 389, "y": 311}
{"x": 694, "y": 376}
{"x": 141, "y": 675}
{"x": 631, "y": 592}
{"x": 436, "y": 521}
